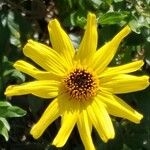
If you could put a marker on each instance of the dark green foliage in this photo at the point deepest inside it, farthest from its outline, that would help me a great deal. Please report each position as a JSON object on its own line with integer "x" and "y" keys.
{"x": 8, "y": 111}
{"x": 21, "y": 20}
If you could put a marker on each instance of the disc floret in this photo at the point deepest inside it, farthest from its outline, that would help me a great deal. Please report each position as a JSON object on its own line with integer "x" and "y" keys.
{"x": 80, "y": 84}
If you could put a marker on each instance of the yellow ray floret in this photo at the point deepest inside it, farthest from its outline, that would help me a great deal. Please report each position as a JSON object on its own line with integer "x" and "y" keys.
{"x": 81, "y": 83}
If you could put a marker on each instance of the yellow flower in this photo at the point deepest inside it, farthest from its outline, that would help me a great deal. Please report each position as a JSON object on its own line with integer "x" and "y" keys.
{"x": 81, "y": 82}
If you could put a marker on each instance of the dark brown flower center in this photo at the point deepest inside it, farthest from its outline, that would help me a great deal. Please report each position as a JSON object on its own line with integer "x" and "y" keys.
{"x": 80, "y": 84}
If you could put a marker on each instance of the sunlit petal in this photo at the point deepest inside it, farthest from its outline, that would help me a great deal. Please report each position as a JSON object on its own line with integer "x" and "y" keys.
{"x": 69, "y": 121}
{"x": 124, "y": 83}
{"x": 89, "y": 42}
{"x": 51, "y": 113}
{"x": 61, "y": 41}
{"x": 127, "y": 68}
{"x": 84, "y": 128}
{"x": 101, "y": 120}
{"x": 117, "y": 107}
{"x": 106, "y": 53}
{"x": 31, "y": 70}
{"x": 41, "y": 88}
{"x": 45, "y": 57}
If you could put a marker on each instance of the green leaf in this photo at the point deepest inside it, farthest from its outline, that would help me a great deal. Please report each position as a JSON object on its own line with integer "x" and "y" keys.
{"x": 15, "y": 111}
{"x": 14, "y": 29}
{"x": 6, "y": 124}
{"x": 4, "y": 104}
{"x": 4, "y": 128}
{"x": 97, "y": 2}
{"x": 136, "y": 24}
{"x": 112, "y": 17}
{"x": 7, "y": 110}
{"x": 76, "y": 18}
{"x": 17, "y": 74}
{"x": 116, "y": 1}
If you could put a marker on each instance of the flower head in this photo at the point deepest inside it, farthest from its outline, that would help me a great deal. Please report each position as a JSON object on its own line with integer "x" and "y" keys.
{"x": 81, "y": 83}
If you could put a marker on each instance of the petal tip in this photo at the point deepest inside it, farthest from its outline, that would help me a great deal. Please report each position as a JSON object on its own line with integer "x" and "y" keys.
{"x": 5, "y": 93}
{"x": 91, "y": 18}
{"x": 33, "y": 133}
{"x": 91, "y": 15}
{"x": 147, "y": 80}
{"x": 139, "y": 118}
{"x": 8, "y": 90}
{"x": 57, "y": 144}
{"x": 53, "y": 23}
{"x": 30, "y": 41}
{"x": 126, "y": 30}
{"x": 16, "y": 63}
{"x": 141, "y": 62}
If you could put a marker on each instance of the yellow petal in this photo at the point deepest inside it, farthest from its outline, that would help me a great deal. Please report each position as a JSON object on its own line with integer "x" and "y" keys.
{"x": 106, "y": 53}
{"x": 85, "y": 131}
{"x": 61, "y": 41}
{"x": 29, "y": 69}
{"x": 42, "y": 88}
{"x": 127, "y": 68}
{"x": 101, "y": 120}
{"x": 124, "y": 83}
{"x": 51, "y": 113}
{"x": 70, "y": 119}
{"x": 117, "y": 107}
{"x": 45, "y": 57}
{"x": 89, "y": 42}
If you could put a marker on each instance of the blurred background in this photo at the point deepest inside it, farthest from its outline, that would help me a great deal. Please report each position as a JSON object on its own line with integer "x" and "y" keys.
{"x": 21, "y": 20}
